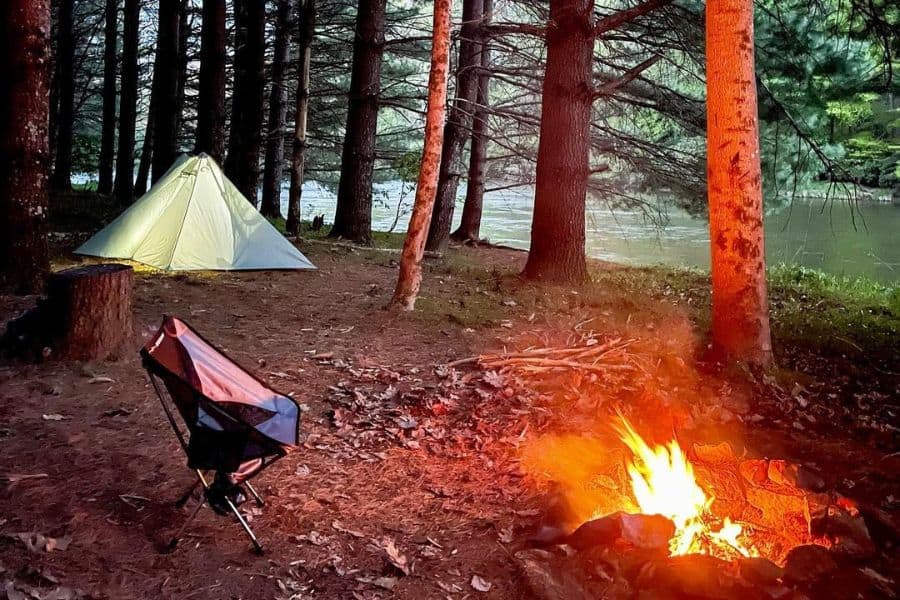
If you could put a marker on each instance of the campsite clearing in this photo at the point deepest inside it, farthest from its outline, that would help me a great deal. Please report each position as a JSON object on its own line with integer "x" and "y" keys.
{"x": 402, "y": 468}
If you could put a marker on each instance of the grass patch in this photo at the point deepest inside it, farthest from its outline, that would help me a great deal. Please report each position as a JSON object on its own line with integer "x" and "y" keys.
{"x": 810, "y": 310}
{"x": 852, "y": 316}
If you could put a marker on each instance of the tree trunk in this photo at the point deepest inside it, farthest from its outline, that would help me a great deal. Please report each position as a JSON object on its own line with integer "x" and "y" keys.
{"x": 108, "y": 132}
{"x": 184, "y": 35}
{"x": 211, "y": 101}
{"x": 410, "y": 277}
{"x": 307, "y": 18}
{"x": 557, "y": 228}
{"x": 245, "y": 140}
{"x": 353, "y": 215}
{"x": 87, "y": 315}
{"x": 165, "y": 89}
{"x": 143, "y": 174}
{"x": 470, "y": 223}
{"x": 24, "y": 142}
{"x": 740, "y": 312}
{"x": 273, "y": 171}
{"x": 458, "y": 126}
{"x": 124, "y": 185}
{"x": 65, "y": 75}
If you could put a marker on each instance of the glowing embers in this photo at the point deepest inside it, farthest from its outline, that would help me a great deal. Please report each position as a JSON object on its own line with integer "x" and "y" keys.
{"x": 663, "y": 482}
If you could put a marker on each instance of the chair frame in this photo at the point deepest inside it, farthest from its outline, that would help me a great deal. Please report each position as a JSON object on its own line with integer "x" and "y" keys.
{"x": 202, "y": 479}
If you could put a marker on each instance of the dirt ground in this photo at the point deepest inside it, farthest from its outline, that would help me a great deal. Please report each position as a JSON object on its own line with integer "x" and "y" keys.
{"x": 403, "y": 468}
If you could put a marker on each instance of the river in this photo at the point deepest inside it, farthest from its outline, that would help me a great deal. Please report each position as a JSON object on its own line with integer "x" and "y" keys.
{"x": 809, "y": 233}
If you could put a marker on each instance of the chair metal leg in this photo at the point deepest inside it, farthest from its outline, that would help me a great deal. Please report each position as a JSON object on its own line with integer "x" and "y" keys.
{"x": 255, "y": 494}
{"x": 187, "y": 495}
{"x": 184, "y": 526}
{"x": 256, "y": 545}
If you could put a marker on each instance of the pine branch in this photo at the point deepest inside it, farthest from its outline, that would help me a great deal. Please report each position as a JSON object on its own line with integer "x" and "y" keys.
{"x": 617, "y": 19}
{"x": 610, "y": 87}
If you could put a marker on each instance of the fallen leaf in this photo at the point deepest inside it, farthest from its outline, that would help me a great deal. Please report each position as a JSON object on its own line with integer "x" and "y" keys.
{"x": 38, "y": 542}
{"x": 480, "y": 584}
{"x": 394, "y": 556}
{"x": 406, "y": 422}
{"x": 505, "y": 535}
{"x": 494, "y": 379}
{"x": 386, "y": 583}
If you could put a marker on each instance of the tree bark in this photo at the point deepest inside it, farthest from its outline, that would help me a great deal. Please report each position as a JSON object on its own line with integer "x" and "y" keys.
{"x": 273, "y": 169}
{"x": 458, "y": 126}
{"x": 61, "y": 179}
{"x": 108, "y": 132}
{"x": 245, "y": 140}
{"x": 165, "y": 89}
{"x": 740, "y": 311}
{"x": 24, "y": 142}
{"x": 184, "y": 34}
{"x": 146, "y": 162}
{"x": 558, "y": 223}
{"x": 211, "y": 101}
{"x": 353, "y": 215}
{"x": 307, "y": 18}
{"x": 124, "y": 185}
{"x": 470, "y": 223}
{"x": 410, "y": 277}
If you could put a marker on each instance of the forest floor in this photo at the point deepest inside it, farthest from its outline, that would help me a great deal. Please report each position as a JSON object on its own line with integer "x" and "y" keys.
{"x": 408, "y": 483}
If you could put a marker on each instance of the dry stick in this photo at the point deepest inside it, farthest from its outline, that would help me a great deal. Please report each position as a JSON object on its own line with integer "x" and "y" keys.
{"x": 554, "y": 363}
{"x": 579, "y": 352}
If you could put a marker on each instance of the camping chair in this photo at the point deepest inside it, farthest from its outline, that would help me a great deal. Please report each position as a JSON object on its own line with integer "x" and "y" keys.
{"x": 233, "y": 424}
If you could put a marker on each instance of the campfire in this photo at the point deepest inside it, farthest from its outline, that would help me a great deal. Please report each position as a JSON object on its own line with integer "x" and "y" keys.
{"x": 696, "y": 519}
{"x": 705, "y": 499}
{"x": 663, "y": 483}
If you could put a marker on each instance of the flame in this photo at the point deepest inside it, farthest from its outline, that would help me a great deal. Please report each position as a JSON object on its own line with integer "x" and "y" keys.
{"x": 663, "y": 483}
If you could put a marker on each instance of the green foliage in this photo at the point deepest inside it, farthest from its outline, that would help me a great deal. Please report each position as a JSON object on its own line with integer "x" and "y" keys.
{"x": 407, "y": 166}
{"x": 278, "y": 223}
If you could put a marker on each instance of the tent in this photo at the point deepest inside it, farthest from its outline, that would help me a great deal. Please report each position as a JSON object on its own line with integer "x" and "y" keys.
{"x": 195, "y": 219}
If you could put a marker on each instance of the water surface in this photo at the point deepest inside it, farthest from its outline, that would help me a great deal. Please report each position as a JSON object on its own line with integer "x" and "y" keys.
{"x": 811, "y": 233}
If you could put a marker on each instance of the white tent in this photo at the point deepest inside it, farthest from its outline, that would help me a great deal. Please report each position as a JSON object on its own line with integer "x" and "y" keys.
{"x": 194, "y": 219}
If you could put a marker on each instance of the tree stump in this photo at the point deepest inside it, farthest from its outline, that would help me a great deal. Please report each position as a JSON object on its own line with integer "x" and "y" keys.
{"x": 86, "y": 315}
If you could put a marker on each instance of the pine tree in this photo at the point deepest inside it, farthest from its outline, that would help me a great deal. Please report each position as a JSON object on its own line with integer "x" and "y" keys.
{"x": 410, "y": 276}
{"x": 124, "y": 185}
{"x": 61, "y": 178}
{"x": 353, "y": 215}
{"x": 272, "y": 173}
{"x": 106, "y": 161}
{"x": 307, "y": 20}
{"x": 740, "y": 314}
{"x": 245, "y": 138}
{"x": 459, "y": 124}
{"x": 211, "y": 104}
{"x": 24, "y": 142}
